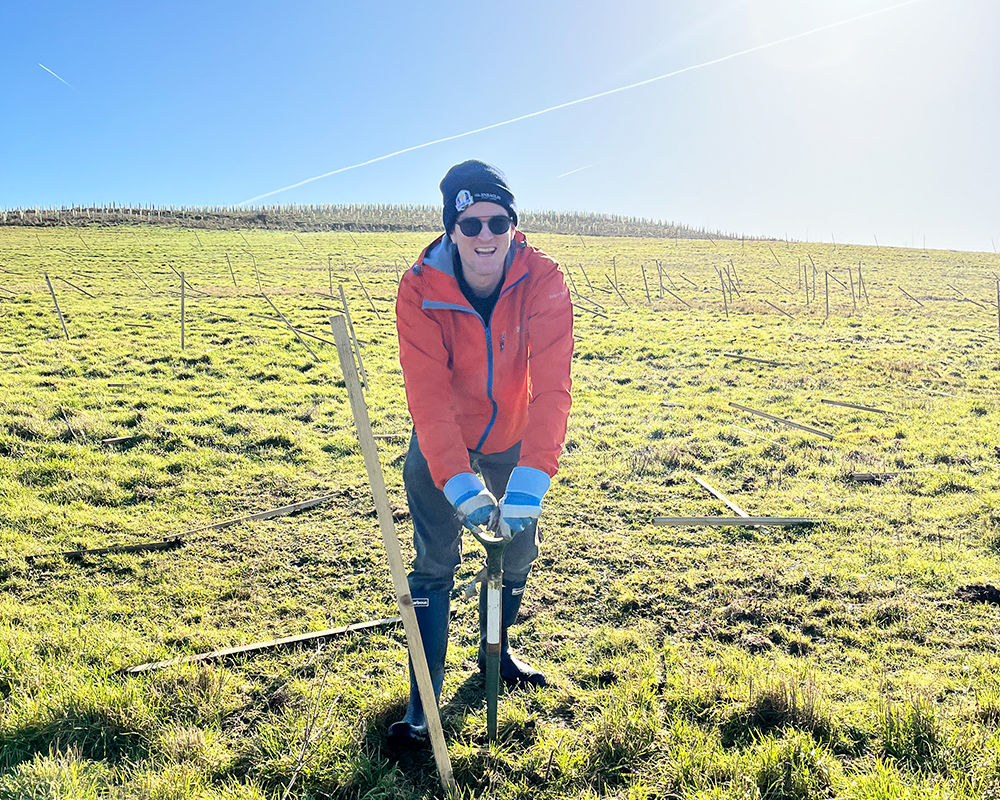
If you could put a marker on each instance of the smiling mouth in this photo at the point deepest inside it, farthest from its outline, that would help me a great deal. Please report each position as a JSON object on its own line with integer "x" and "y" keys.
{"x": 485, "y": 251}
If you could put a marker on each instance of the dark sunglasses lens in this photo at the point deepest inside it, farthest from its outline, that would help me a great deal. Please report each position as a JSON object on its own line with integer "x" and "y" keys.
{"x": 499, "y": 224}
{"x": 471, "y": 226}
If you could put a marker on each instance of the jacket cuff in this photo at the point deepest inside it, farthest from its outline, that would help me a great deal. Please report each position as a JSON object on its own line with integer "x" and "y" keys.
{"x": 461, "y": 487}
{"x": 529, "y": 481}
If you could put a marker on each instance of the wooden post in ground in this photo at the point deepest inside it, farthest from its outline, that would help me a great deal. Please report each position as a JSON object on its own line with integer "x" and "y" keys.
{"x": 826, "y": 283}
{"x": 862, "y": 286}
{"x": 614, "y": 268}
{"x": 853, "y": 300}
{"x": 231, "y": 273}
{"x": 649, "y": 299}
{"x": 659, "y": 277}
{"x": 329, "y": 272}
{"x": 722, "y": 283}
{"x": 589, "y": 284}
{"x": 357, "y": 347}
{"x": 389, "y": 538}
{"x": 182, "y": 310}
{"x": 363, "y": 289}
{"x": 58, "y": 312}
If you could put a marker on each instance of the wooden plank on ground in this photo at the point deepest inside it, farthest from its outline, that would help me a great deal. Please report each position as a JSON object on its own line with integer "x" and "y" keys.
{"x": 719, "y": 495}
{"x": 855, "y": 405}
{"x": 160, "y": 544}
{"x": 744, "y": 522}
{"x": 783, "y": 421}
{"x": 751, "y": 358}
{"x": 258, "y": 647}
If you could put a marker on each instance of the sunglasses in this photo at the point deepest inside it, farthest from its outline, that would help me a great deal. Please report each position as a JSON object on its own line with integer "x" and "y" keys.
{"x": 471, "y": 226}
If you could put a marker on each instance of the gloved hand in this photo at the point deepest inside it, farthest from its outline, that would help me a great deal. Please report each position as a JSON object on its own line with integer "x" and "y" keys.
{"x": 472, "y": 500}
{"x": 522, "y": 502}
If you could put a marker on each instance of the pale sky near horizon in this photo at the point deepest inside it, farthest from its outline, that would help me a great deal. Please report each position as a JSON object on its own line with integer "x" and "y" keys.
{"x": 768, "y": 117}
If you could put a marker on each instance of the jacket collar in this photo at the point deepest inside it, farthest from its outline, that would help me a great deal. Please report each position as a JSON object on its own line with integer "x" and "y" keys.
{"x": 439, "y": 255}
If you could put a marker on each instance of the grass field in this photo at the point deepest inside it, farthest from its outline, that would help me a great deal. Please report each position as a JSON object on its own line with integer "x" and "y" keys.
{"x": 859, "y": 658}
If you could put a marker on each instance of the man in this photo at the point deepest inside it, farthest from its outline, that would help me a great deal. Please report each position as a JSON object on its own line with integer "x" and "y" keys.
{"x": 485, "y": 330}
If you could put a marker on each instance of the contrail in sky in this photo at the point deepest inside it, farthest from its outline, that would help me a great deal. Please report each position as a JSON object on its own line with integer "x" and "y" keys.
{"x": 573, "y": 171}
{"x": 54, "y": 75}
{"x": 587, "y": 99}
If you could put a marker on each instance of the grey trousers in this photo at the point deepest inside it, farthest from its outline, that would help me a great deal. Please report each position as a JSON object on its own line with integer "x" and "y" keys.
{"x": 437, "y": 533}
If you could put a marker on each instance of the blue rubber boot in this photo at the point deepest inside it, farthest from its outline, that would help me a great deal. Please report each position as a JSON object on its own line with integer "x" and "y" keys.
{"x": 513, "y": 671}
{"x": 432, "y": 608}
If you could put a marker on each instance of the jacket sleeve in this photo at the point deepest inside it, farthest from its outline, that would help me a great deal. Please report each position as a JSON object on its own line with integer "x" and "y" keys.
{"x": 550, "y": 354}
{"x": 426, "y": 365}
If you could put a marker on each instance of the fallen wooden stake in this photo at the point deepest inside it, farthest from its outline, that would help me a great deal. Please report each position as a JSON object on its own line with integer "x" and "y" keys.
{"x": 838, "y": 280}
{"x": 779, "y": 308}
{"x": 855, "y": 405}
{"x": 58, "y": 312}
{"x": 160, "y": 544}
{"x": 783, "y": 421}
{"x": 758, "y": 435}
{"x": 274, "y": 512}
{"x": 258, "y": 647}
{"x": 685, "y": 302}
{"x": 914, "y": 299}
{"x": 116, "y": 439}
{"x": 719, "y": 495}
{"x": 70, "y": 283}
{"x": 743, "y": 522}
{"x": 363, "y": 289}
{"x": 750, "y": 358}
{"x": 177, "y": 539}
{"x": 290, "y": 326}
{"x": 294, "y": 328}
{"x": 772, "y": 280}
{"x": 872, "y": 477}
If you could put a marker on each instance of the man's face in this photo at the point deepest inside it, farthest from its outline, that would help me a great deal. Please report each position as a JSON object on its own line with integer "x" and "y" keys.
{"x": 483, "y": 255}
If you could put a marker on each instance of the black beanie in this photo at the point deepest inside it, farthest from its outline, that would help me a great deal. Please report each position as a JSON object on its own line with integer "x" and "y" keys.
{"x": 472, "y": 182}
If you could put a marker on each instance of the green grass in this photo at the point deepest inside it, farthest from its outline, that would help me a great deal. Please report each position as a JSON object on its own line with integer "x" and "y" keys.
{"x": 833, "y": 661}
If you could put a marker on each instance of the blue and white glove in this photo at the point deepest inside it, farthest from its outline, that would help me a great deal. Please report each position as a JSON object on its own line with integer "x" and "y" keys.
{"x": 522, "y": 502}
{"x": 472, "y": 500}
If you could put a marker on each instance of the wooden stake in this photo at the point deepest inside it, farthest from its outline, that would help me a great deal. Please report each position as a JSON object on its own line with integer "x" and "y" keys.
{"x": 231, "y": 273}
{"x": 140, "y": 278}
{"x": 290, "y": 327}
{"x": 649, "y": 299}
{"x": 685, "y": 277}
{"x": 260, "y": 647}
{"x": 391, "y": 541}
{"x": 685, "y": 302}
{"x": 772, "y": 280}
{"x": 160, "y": 544}
{"x": 750, "y": 358}
{"x": 58, "y": 312}
{"x": 853, "y": 300}
{"x": 363, "y": 289}
{"x": 183, "y": 283}
{"x": 779, "y": 308}
{"x": 354, "y": 338}
{"x": 589, "y": 284}
{"x": 618, "y": 292}
{"x": 716, "y": 493}
{"x": 826, "y": 283}
{"x": 70, "y": 283}
{"x": 722, "y": 283}
{"x": 861, "y": 285}
{"x": 614, "y": 267}
{"x": 855, "y": 405}
{"x": 774, "y": 256}
{"x": 744, "y": 522}
{"x": 914, "y": 299}
{"x": 329, "y": 272}
{"x": 783, "y": 421}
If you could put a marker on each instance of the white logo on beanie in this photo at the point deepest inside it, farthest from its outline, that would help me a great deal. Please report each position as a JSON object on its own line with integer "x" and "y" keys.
{"x": 463, "y": 200}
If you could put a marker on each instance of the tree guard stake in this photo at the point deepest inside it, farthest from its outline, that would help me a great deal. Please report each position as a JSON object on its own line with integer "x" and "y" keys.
{"x": 415, "y": 644}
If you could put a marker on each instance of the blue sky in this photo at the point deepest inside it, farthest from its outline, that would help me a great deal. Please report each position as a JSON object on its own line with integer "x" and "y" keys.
{"x": 883, "y": 126}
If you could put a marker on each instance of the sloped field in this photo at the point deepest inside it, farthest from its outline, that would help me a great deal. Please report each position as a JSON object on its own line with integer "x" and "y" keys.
{"x": 854, "y": 658}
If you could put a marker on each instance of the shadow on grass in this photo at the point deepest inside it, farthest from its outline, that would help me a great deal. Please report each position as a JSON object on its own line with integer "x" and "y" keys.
{"x": 94, "y": 733}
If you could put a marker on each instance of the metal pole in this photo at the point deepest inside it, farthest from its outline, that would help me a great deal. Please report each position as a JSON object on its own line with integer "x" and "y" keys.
{"x": 389, "y": 538}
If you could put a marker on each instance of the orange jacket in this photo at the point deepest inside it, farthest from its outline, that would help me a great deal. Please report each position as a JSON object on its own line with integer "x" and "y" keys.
{"x": 470, "y": 386}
